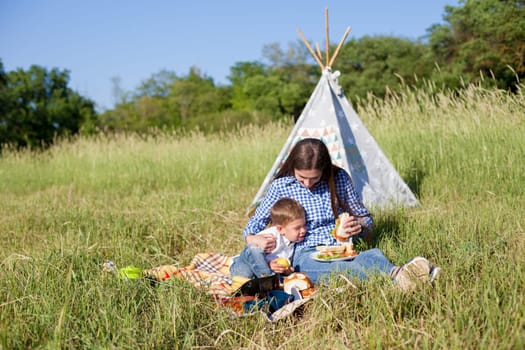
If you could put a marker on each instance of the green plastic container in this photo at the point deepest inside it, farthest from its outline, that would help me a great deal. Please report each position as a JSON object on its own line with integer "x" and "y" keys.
{"x": 130, "y": 272}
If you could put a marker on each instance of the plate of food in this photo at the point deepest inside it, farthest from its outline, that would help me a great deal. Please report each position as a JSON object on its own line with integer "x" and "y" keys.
{"x": 328, "y": 253}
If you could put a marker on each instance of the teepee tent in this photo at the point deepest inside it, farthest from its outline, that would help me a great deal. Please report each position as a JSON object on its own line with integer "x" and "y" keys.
{"x": 329, "y": 116}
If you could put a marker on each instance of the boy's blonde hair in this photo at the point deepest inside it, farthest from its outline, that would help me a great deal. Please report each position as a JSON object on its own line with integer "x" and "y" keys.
{"x": 286, "y": 210}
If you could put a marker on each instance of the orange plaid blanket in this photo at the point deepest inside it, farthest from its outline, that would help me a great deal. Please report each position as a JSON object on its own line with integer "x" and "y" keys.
{"x": 209, "y": 271}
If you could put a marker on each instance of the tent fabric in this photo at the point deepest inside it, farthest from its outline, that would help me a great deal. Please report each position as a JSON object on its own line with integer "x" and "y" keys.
{"x": 329, "y": 116}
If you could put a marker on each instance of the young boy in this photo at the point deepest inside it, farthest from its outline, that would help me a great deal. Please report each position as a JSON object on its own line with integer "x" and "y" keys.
{"x": 288, "y": 220}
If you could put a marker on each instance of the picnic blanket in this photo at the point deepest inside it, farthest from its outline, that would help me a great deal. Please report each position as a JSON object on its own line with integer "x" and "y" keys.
{"x": 211, "y": 272}
{"x": 208, "y": 271}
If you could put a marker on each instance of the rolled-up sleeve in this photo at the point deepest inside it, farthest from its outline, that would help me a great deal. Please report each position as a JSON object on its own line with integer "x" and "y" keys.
{"x": 346, "y": 188}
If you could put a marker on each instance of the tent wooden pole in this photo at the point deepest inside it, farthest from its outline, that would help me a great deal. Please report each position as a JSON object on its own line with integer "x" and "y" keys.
{"x": 319, "y": 53}
{"x": 317, "y": 59}
{"x": 339, "y": 46}
{"x": 327, "y": 38}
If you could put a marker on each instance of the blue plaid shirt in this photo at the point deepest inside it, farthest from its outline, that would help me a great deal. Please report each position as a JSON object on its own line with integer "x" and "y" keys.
{"x": 320, "y": 219}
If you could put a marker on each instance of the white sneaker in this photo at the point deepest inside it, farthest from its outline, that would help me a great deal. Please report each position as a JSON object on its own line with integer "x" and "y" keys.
{"x": 414, "y": 273}
{"x": 435, "y": 272}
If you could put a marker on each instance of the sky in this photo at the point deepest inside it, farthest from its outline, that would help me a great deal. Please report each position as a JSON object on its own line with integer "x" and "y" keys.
{"x": 99, "y": 40}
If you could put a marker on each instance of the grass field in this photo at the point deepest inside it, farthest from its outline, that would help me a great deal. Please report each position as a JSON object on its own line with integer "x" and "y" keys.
{"x": 161, "y": 199}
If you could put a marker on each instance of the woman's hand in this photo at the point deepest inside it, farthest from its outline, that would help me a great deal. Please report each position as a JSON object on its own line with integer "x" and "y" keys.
{"x": 352, "y": 226}
{"x": 265, "y": 241}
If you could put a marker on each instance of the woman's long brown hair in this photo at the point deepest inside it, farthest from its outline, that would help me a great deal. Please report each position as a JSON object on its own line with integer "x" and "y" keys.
{"x": 309, "y": 154}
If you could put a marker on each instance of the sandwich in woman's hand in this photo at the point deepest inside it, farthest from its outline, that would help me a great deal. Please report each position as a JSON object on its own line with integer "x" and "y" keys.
{"x": 339, "y": 232}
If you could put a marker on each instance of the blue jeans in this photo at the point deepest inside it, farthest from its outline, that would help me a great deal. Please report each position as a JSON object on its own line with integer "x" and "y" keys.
{"x": 251, "y": 263}
{"x": 367, "y": 263}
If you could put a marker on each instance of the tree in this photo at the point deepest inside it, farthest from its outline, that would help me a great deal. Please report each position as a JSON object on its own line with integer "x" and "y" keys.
{"x": 239, "y": 74}
{"x": 119, "y": 96}
{"x": 295, "y": 54}
{"x": 158, "y": 85}
{"x": 195, "y": 95}
{"x": 167, "y": 101}
{"x": 296, "y": 77}
{"x": 39, "y": 106}
{"x": 4, "y": 103}
{"x": 281, "y": 88}
{"x": 483, "y": 38}
{"x": 373, "y": 64}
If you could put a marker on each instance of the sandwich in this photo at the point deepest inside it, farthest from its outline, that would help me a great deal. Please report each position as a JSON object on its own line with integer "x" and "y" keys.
{"x": 298, "y": 283}
{"x": 330, "y": 252}
{"x": 339, "y": 232}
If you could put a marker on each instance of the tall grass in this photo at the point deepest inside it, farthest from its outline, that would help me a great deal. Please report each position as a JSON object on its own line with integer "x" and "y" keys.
{"x": 162, "y": 199}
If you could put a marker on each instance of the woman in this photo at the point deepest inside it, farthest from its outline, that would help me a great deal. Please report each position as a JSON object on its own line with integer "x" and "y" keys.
{"x": 325, "y": 191}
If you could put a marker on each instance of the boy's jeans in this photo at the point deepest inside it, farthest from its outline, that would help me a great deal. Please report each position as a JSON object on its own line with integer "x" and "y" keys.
{"x": 251, "y": 263}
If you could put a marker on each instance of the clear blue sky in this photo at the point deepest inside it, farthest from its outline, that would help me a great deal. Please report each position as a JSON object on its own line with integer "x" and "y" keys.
{"x": 97, "y": 40}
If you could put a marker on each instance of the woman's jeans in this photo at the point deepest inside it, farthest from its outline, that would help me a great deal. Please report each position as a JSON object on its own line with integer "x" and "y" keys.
{"x": 250, "y": 263}
{"x": 366, "y": 264}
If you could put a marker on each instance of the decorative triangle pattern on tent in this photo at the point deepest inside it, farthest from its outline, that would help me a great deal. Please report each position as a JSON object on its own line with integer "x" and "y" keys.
{"x": 328, "y": 136}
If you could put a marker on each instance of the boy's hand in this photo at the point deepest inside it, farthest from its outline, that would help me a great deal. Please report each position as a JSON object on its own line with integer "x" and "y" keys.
{"x": 280, "y": 268}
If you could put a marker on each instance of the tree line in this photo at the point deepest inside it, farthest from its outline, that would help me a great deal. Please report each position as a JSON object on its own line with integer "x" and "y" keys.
{"x": 480, "y": 42}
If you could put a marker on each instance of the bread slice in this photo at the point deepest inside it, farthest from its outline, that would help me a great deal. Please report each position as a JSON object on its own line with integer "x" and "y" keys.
{"x": 297, "y": 280}
{"x": 334, "y": 249}
{"x": 339, "y": 232}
